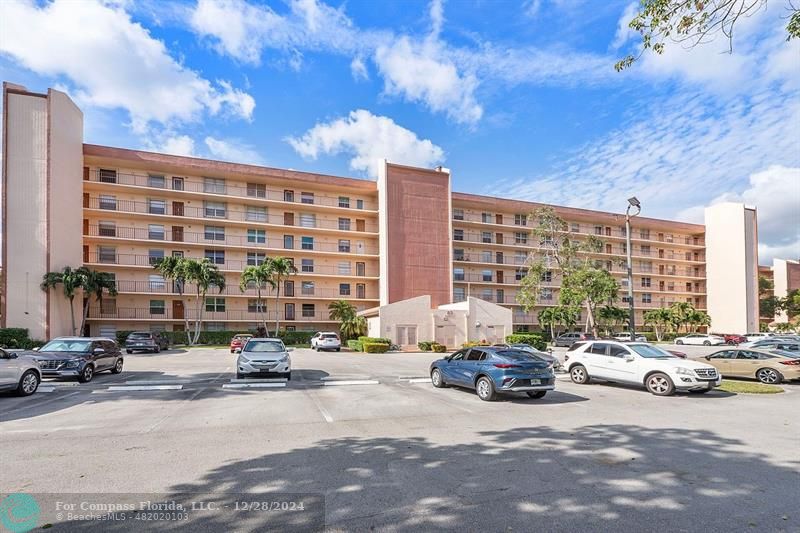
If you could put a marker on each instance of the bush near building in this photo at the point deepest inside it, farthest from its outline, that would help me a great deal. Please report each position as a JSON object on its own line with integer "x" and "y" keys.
{"x": 290, "y": 338}
{"x": 376, "y": 347}
{"x": 17, "y": 338}
{"x": 378, "y": 340}
{"x": 438, "y": 348}
{"x": 531, "y": 339}
{"x": 425, "y": 346}
{"x": 356, "y": 346}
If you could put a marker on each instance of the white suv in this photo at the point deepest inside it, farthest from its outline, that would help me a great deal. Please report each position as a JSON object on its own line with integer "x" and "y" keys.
{"x": 640, "y": 364}
{"x": 326, "y": 340}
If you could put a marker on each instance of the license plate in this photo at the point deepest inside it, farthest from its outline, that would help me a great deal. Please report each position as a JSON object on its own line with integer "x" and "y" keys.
{"x": 536, "y": 382}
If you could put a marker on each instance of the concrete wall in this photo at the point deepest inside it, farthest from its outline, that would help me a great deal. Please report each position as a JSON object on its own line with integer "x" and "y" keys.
{"x": 411, "y": 312}
{"x": 732, "y": 267}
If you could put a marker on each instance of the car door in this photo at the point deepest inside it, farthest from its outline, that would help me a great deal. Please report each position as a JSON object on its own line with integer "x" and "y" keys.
{"x": 620, "y": 368}
{"x": 450, "y": 367}
{"x": 9, "y": 369}
{"x": 721, "y": 361}
{"x": 745, "y": 363}
{"x": 104, "y": 359}
{"x": 472, "y": 365}
{"x": 598, "y": 362}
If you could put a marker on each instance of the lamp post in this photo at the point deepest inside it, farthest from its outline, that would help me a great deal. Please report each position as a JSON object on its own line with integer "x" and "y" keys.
{"x": 632, "y": 202}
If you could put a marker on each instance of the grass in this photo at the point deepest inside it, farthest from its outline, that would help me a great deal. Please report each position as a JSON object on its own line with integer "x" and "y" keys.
{"x": 747, "y": 387}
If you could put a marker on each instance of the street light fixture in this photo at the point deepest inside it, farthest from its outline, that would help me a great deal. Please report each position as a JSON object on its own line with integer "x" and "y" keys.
{"x": 632, "y": 202}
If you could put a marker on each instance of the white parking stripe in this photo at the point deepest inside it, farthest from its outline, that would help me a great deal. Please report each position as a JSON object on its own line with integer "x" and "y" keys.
{"x": 46, "y": 389}
{"x": 253, "y": 385}
{"x": 352, "y": 382}
{"x": 419, "y": 380}
{"x": 324, "y": 412}
{"x": 158, "y": 382}
{"x": 144, "y": 387}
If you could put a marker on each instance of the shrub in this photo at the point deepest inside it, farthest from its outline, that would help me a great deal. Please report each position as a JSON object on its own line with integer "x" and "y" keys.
{"x": 356, "y": 346}
{"x": 425, "y": 346}
{"x": 376, "y": 347}
{"x": 470, "y": 344}
{"x": 531, "y": 339}
{"x": 438, "y": 348}
{"x": 18, "y": 338}
{"x": 377, "y": 340}
{"x": 290, "y": 338}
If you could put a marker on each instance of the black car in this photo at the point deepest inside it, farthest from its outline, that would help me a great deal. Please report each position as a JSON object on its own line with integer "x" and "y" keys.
{"x": 146, "y": 341}
{"x": 78, "y": 357}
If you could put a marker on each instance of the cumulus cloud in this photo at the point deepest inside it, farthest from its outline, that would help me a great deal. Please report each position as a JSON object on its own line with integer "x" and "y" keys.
{"x": 169, "y": 142}
{"x": 112, "y": 62}
{"x": 359, "y": 69}
{"x": 367, "y": 138}
{"x": 233, "y": 150}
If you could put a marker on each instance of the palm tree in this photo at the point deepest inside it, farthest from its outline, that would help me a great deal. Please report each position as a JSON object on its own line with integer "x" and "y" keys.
{"x": 205, "y": 275}
{"x": 71, "y": 281}
{"x": 260, "y": 276}
{"x": 612, "y": 316}
{"x": 681, "y": 311}
{"x": 95, "y": 284}
{"x": 350, "y": 324}
{"x": 659, "y": 318}
{"x": 550, "y": 318}
{"x": 281, "y": 268}
{"x": 174, "y": 269}
{"x": 698, "y": 318}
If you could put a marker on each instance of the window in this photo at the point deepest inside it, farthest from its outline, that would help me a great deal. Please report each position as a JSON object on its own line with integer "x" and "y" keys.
{"x": 288, "y": 242}
{"x": 520, "y": 273}
{"x": 306, "y": 265}
{"x": 458, "y": 214}
{"x": 521, "y": 220}
{"x": 645, "y": 249}
{"x": 257, "y": 236}
{"x": 486, "y": 275}
{"x": 215, "y": 326}
{"x": 598, "y": 230}
{"x": 344, "y": 224}
{"x": 156, "y": 282}
{"x": 574, "y": 227}
{"x": 344, "y": 201}
{"x": 214, "y": 233}
{"x": 520, "y": 257}
{"x": 670, "y": 285}
{"x": 617, "y": 351}
{"x": 361, "y": 269}
{"x": 255, "y": 258}
{"x": 546, "y": 294}
{"x": 547, "y": 241}
{"x": 256, "y": 306}
{"x": 308, "y": 220}
{"x": 344, "y": 289}
{"x": 157, "y": 307}
{"x": 344, "y": 268}
{"x": 359, "y": 204}
{"x": 106, "y": 254}
{"x": 256, "y": 213}
{"x": 288, "y": 196}
{"x": 108, "y": 201}
{"x": 256, "y": 190}
{"x": 458, "y": 294}
{"x": 306, "y": 197}
{"x": 107, "y": 229}
{"x": 646, "y": 266}
{"x": 215, "y": 304}
{"x": 486, "y": 236}
{"x": 486, "y": 218}
{"x": 626, "y": 299}
{"x": 308, "y": 310}
{"x": 646, "y": 282}
{"x": 623, "y": 282}
{"x": 598, "y": 348}
{"x": 177, "y": 184}
{"x": 458, "y": 234}
{"x": 486, "y": 256}
{"x": 217, "y": 257}
{"x": 288, "y": 288}
{"x": 520, "y": 237}
{"x": 154, "y": 256}
{"x": 547, "y": 276}
{"x": 108, "y": 306}
{"x": 214, "y": 209}
{"x": 156, "y": 207}
{"x": 107, "y": 176}
{"x": 644, "y": 234}
{"x": 154, "y": 180}
{"x": 647, "y": 298}
{"x": 344, "y": 245}
{"x": 155, "y": 232}
{"x": 307, "y": 243}
{"x": 214, "y": 185}
{"x": 458, "y": 274}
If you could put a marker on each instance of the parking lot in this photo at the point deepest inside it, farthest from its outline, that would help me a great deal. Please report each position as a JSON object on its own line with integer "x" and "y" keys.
{"x": 389, "y": 451}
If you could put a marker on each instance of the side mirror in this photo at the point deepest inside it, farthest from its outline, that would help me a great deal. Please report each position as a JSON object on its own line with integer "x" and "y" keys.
{"x": 98, "y": 350}
{"x": 290, "y": 349}
{"x": 36, "y": 349}
{"x": 630, "y": 358}
{"x": 708, "y": 358}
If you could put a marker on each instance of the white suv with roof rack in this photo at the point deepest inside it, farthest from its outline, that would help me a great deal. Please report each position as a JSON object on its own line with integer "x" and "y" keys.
{"x": 326, "y": 340}
{"x": 639, "y": 363}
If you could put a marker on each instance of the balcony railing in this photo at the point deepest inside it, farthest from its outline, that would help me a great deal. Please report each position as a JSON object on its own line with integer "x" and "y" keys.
{"x": 229, "y": 189}
{"x": 233, "y": 265}
{"x": 169, "y": 234}
{"x": 167, "y": 287}
{"x": 144, "y": 313}
{"x": 219, "y": 215}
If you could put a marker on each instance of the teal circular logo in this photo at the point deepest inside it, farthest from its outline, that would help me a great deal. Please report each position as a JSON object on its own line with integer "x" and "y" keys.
{"x": 19, "y": 512}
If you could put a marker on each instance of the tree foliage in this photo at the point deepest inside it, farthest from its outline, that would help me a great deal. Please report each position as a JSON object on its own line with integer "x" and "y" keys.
{"x": 90, "y": 282}
{"x": 351, "y": 326}
{"x": 281, "y": 268}
{"x": 258, "y": 276}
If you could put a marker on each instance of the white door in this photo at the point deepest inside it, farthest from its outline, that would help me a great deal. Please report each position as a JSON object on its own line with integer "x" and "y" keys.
{"x": 406, "y": 335}
{"x": 446, "y": 335}
{"x": 360, "y": 247}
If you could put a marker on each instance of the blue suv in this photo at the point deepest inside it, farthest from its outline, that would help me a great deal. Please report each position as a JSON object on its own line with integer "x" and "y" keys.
{"x": 491, "y": 370}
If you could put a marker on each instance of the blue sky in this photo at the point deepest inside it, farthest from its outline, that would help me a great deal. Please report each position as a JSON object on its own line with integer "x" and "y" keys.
{"x": 517, "y": 98}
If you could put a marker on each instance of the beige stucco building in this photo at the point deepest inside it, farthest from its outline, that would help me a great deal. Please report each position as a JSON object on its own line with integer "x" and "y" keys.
{"x": 406, "y": 236}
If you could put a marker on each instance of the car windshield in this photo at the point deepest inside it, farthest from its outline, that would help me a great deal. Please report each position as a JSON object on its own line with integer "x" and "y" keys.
{"x": 264, "y": 346}
{"x": 649, "y": 351}
{"x": 787, "y": 353}
{"x": 139, "y": 336}
{"x": 67, "y": 346}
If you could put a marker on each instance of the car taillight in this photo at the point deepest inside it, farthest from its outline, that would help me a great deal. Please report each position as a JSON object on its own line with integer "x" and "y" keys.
{"x": 793, "y": 363}
{"x": 505, "y": 365}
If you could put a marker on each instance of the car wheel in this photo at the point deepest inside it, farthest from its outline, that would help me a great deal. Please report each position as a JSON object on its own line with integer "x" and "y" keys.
{"x": 437, "y": 380}
{"x": 706, "y": 343}
{"x": 579, "y": 375}
{"x": 485, "y": 389}
{"x": 769, "y": 376}
{"x": 730, "y": 343}
{"x": 536, "y": 394}
{"x": 86, "y": 374}
{"x": 117, "y": 366}
{"x": 338, "y": 349}
{"x": 660, "y": 384}
{"x": 158, "y": 349}
{"x": 28, "y": 383}
{"x": 129, "y": 352}
{"x": 679, "y": 342}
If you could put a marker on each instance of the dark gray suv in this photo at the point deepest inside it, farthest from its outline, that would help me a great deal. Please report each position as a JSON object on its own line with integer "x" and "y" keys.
{"x": 78, "y": 357}
{"x": 146, "y": 341}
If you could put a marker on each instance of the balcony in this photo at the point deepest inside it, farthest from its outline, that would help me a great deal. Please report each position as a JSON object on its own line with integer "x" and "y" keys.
{"x": 178, "y": 185}
{"x": 211, "y": 215}
{"x": 170, "y": 289}
{"x": 238, "y": 315}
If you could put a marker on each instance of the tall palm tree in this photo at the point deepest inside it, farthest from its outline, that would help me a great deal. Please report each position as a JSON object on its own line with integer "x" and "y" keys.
{"x": 260, "y": 276}
{"x": 660, "y": 318}
{"x": 205, "y": 275}
{"x": 281, "y": 268}
{"x": 350, "y": 324}
{"x": 95, "y": 284}
{"x": 549, "y": 317}
{"x": 681, "y": 311}
{"x": 71, "y": 281}
{"x": 173, "y": 269}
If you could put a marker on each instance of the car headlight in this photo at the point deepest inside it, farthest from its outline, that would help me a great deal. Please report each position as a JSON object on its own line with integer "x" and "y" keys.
{"x": 73, "y": 363}
{"x": 684, "y": 371}
{"x": 284, "y": 358}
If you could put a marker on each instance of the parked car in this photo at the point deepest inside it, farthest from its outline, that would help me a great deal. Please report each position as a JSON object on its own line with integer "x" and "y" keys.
{"x": 567, "y": 339}
{"x": 264, "y": 357}
{"x": 626, "y": 337}
{"x": 146, "y": 341}
{"x": 641, "y": 364}
{"x": 19, "y": 372}
{"x": 734, "y": 339}
{"x": 79, "y": 357}
{"x": 752, "y": 337}
{"x": 676, "y": 353}
{"x": 547, "y": 356}
{"x": 767, "y": 367}
{"x": 326, "y": 340}
{"x": 773, "y": 343}
{"x": 491, "y": 370}
{"x": 238, "y": 341}
{"x": 700, "y": 339}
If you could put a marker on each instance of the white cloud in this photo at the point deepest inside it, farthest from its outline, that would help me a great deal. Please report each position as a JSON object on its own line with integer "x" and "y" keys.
{"x": 624, "y": 32}
{"x": 367, "y": 138}
{"x": 112, "y": 62}
{"x": 233, "y": 150}
{"x": 177, "y": 145}
{"x": 358, "y": 69}
{"x": 436, "y": 13}
{"x": 531, "y": 7}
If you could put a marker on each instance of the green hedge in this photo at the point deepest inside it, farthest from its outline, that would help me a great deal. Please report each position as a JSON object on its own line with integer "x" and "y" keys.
{"x": 438, "y": 348}
{"x": 290, "y": 338}
{"x": 470, "y": 344}
{"x": 18, "y": 338}
{"x": 377, "y": 340}
{"x": 376, "y": 347}
{"x": 425, "y": 346}
{"x": 531, "y": 339}
{"x": 356, "y": 346}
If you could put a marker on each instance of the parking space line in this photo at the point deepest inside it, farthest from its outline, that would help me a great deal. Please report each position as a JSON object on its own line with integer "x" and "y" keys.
{"x": 177, "y": 409}
{"x": 273, "y": 385}
{"x": 121, "y": 388}
{"x": 157, "y": 382}
{"x": 351, "y": 382}
{"x": 324, "y": 412}
{"x": 419, "y": 380}
{"x": 46, "y": 389}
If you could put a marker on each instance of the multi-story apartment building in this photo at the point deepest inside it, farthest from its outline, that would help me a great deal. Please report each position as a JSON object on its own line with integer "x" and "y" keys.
{"x": 66, "y": 203}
